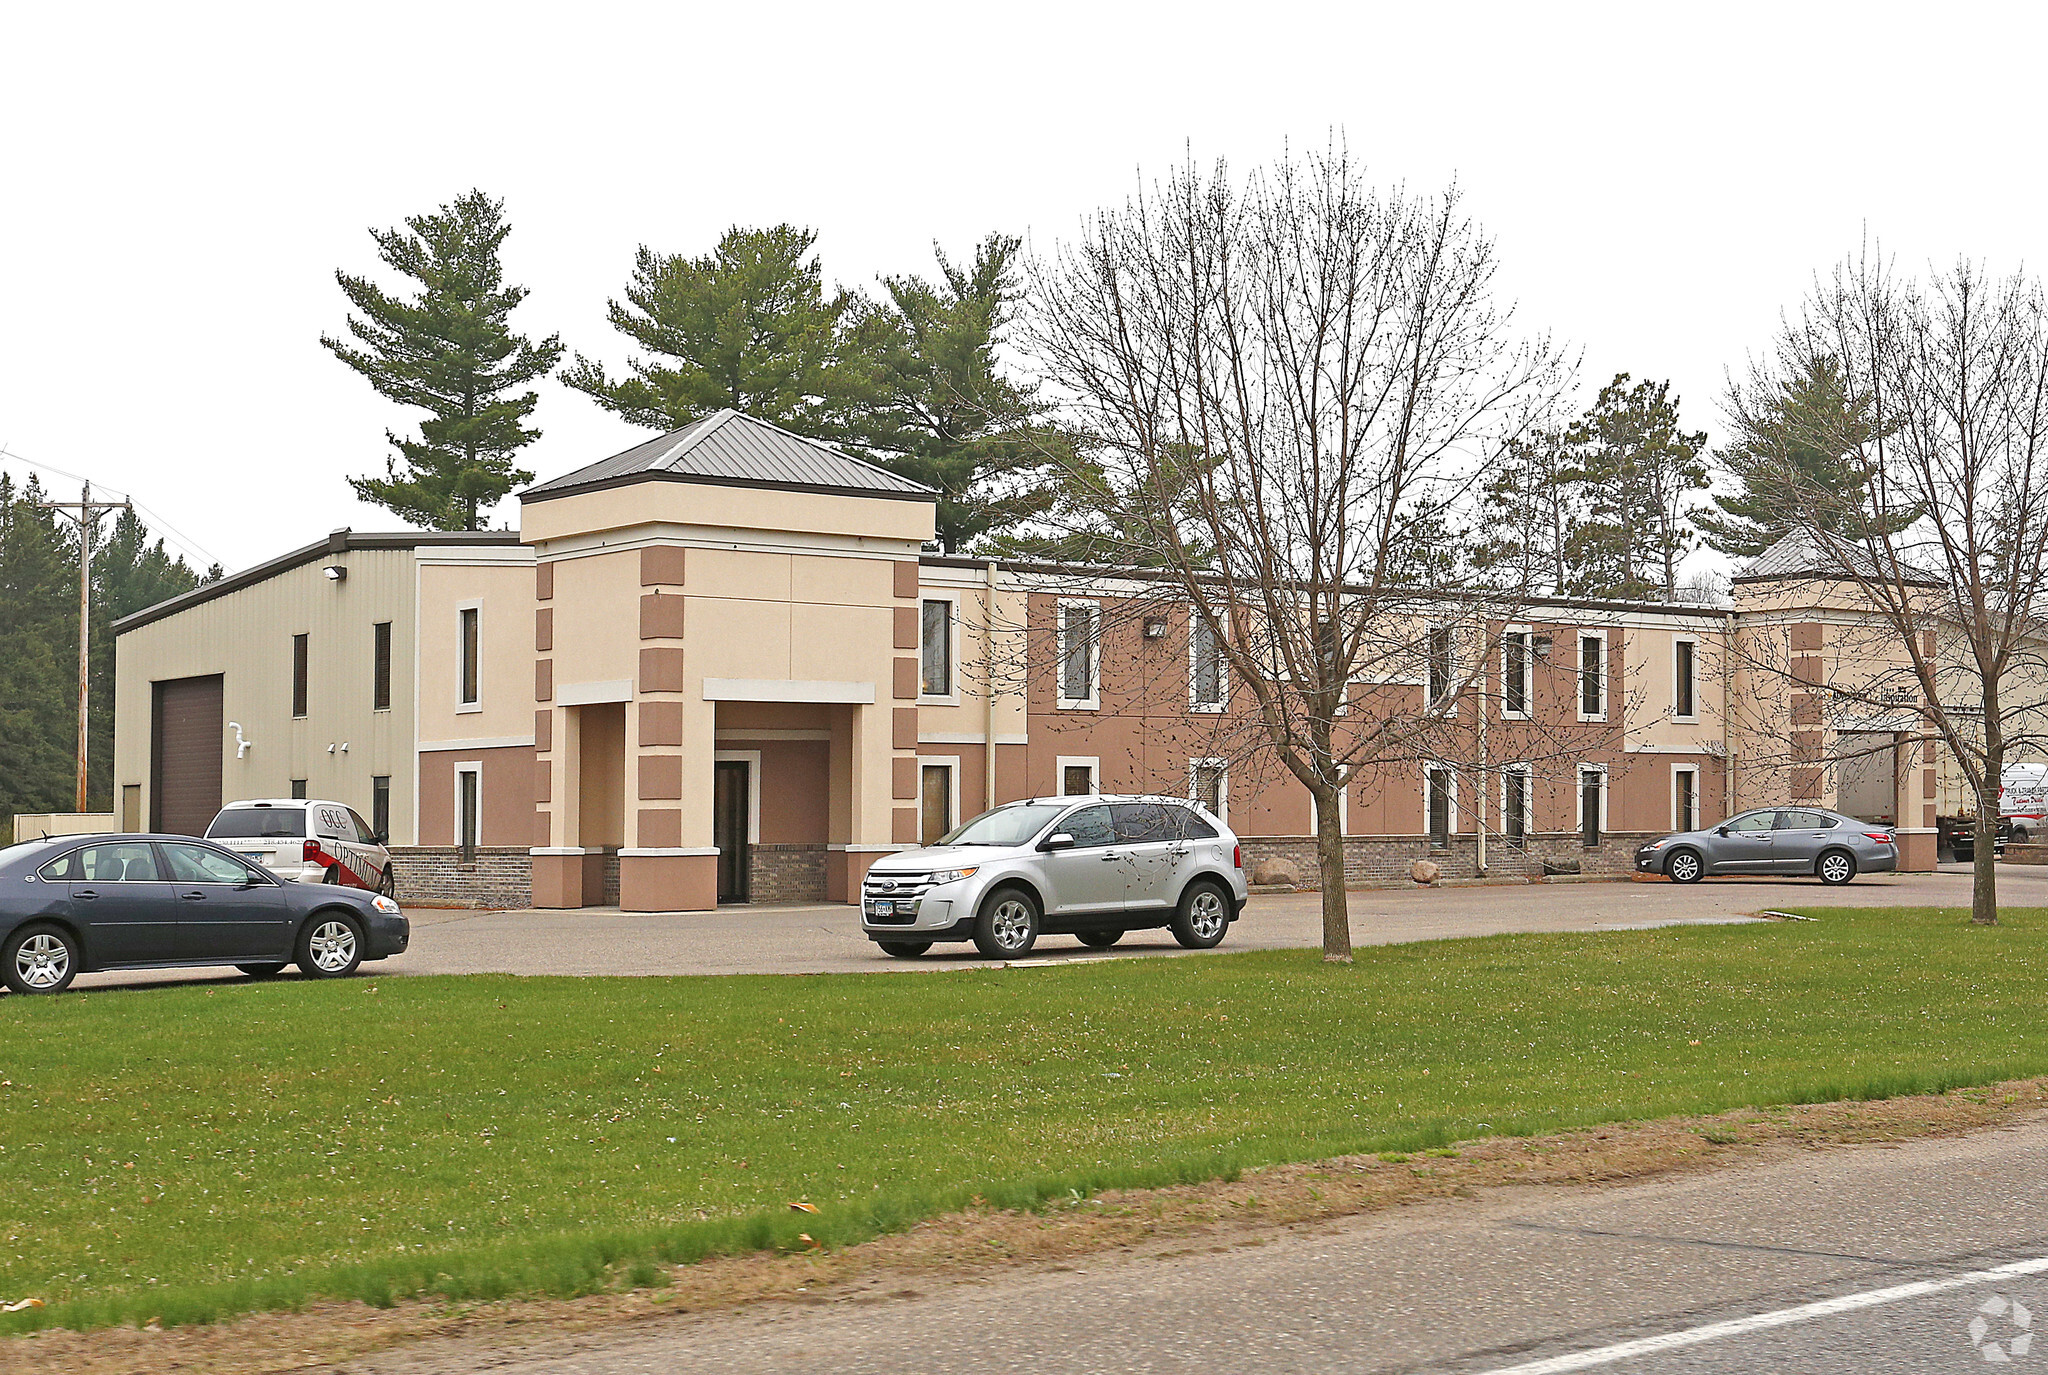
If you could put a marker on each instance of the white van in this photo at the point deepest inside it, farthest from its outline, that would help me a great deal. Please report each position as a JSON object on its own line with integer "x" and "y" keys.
{"x": 2023, "y": 798}
{"x": 307, "y": 841}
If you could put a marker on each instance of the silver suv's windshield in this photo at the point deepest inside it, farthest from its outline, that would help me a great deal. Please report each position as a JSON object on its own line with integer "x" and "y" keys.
{"x": 1005, "y": 825}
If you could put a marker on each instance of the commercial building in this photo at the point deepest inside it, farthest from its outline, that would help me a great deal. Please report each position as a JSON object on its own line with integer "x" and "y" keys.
{"x": 718, "y": 667}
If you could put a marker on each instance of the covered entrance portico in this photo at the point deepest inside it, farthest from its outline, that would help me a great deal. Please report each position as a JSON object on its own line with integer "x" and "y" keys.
{"x": 737, "y": 716}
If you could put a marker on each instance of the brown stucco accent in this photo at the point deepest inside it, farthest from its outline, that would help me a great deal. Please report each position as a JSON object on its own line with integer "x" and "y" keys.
{"x": 660, "y": 828}
{"x": 903, "y": 829}
{"x": 903, "y": 728}
{"x": 1806, "y": 637}
{"x": 661, "y": 723}
{"x": 661, "y": 670}
{"x": 906, "y": 680}
{"x": 1806, "y": 784}
{"x": 795, "y": 788}
{"x": 1806, "y": 669}
{"x": 906, "y": 579}
{"x": 903, "y": 779}
{"x": 543, "y": 680}
{"x": 543, "y": 730}
{"x": 504, "y": 790}
{"x": 844, "y": 870}
{"x": 1918, "y": 853}
{"x": 1806, "y": 709}
{"x": 1926, "y": 783}
{"x": 557, "y": 880}
{"x": 906, "y": 627}
{"x": 544, "y": 629}
{"x": 661, "y": 776}
{"x": 1806, "y": 746}
{"x": 543, "y": 780}
{"x": 661, "y": 564}
{"x": 661, "y": 618}
{"x": 668, "y": 883}
{"x": 543, "y": 582}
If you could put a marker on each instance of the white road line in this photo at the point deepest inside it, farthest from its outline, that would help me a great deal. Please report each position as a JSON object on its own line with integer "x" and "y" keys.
{"x": 1783, "y": 1317}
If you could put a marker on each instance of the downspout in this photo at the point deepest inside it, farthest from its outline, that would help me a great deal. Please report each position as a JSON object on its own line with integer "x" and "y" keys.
{"x": 1479, "y": 811}
{"x": 988, "y": 656}
{"x": 1727, "y": 707}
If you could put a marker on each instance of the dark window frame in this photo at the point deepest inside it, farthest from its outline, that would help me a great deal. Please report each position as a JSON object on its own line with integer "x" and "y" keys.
{"x": 380, "y": 804}
{"x": 1684, "y": 685}
{"x": 935, "y": 641}
{"x": 301, "y": 675}
{"x": 469, "y": 656}
{"x": 1515, "y": 673}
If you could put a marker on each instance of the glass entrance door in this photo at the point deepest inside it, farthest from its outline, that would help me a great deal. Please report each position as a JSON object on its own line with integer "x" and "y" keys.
{"x": 729, "y": 807}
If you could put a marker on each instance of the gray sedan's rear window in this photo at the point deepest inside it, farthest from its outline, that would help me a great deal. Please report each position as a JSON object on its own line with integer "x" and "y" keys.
{"x": 258, "y": 823}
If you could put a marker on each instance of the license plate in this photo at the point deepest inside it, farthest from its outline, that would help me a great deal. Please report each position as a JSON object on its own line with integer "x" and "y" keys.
{"x": 253, "y": 854}
{"x": 882, "y": 909}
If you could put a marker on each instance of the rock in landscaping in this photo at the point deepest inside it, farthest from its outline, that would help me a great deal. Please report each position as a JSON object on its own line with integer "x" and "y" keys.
{"x": 1273, "y": 872}
{"x": 1425, "y": 871}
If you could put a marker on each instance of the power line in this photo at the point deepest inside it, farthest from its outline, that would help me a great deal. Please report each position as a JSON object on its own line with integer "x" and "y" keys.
{"x": 177, "y": 536}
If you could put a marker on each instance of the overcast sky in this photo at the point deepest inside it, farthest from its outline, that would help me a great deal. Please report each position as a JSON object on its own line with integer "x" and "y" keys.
{"x": 181, "y": 182}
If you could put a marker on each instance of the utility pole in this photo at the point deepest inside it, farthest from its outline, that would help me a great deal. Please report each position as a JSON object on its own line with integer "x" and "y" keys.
{"x": 86, "y": 512}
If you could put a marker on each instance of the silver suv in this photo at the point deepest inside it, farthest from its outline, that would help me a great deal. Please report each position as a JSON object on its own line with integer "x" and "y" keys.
{"x": 1094, "y": 867}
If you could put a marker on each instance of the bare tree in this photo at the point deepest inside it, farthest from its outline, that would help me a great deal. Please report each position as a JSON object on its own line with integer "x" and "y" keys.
{"x": 1944, "y": 536}
{"x": 1280, "y": 385}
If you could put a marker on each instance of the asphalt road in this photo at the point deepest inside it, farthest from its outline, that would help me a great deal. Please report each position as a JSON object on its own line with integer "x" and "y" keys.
{"x": 1523, "y": 1280}
{"x": 828, "y": 939}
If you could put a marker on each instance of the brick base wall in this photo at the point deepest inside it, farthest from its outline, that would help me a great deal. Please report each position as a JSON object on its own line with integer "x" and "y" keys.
{"x": 1387, "y": 859}
{"x": 786, "y": 873}
{"x": 435, "y": 876}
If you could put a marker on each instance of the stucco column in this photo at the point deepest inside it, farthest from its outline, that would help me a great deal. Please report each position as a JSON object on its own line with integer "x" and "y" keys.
{"x": 669, "y": 863}
{"x": 1919, "y": 843}
{"x": 558, "y": 861}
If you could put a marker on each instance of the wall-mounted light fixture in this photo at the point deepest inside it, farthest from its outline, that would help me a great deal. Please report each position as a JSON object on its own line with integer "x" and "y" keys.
{"x": 1155, "y": 627}
{"x": 336, "y": 572}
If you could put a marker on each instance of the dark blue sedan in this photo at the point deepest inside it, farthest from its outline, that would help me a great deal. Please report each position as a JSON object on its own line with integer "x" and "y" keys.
{"x": 73, "y": 904}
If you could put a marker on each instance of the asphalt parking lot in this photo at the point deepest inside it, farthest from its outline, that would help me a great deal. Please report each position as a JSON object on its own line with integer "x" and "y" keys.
{"x": 827, "y": 938}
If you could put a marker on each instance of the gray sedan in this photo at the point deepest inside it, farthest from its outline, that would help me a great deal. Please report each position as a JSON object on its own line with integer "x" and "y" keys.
{"x": 1777, "y": 840}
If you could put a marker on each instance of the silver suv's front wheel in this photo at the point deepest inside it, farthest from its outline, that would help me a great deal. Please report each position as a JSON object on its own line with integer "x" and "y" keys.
{"x": 1008, "y": 924}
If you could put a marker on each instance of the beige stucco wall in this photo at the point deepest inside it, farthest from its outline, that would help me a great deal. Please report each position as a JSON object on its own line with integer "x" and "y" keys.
{"x": 246, "y": 636}
{"x": 499, "y": 584}
{"x": 714, "y": 509}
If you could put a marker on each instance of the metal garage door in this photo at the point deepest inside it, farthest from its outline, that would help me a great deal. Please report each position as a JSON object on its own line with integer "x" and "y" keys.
{"x": 1867, "y": 785}
{"x": 184, "y": 754}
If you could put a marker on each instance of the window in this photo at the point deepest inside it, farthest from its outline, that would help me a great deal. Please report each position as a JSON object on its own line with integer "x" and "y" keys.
{"x": 1209, "y": 786}
{"x": 131, "y": 806}
{"x": 1193, "y": 827}
{"x": 1441, "y": 662}
{"x": 1592, "y": 677}
{"x": 298, "y": 675}
{"x": 1682, "y": 704}
{"x": 1205, "y": 666}
{"x": 1079, "y": 627}
{"x": 380, "y": 805}
{"x": 1091, "y": 826}
{"x": 1752, "y": 823}
{"x": 1077, "y": 776}
{"x": 365, "y": 833}
{"x": 1437, "y": 783}
{"x": 468, "y": 823}
{"x": 380, "y": 666}
{"x": 937, "y": 643}
{"x": 1592, "y": 805}
{"x": 1804, "y": 821}
{"x": 466, "y": 673}
{"x": 1515, "y": 805}
{"x": 131, "y": 863}
{"x": 1145, "y": 823}
{"x": 935, "y": 798}
{"x": 197, "y": 864}
{"x": 1514, "y": 673}
{"x": 299, "y": 788}
{"x": 1685, "y": 798}
{"x": 258, "y": 823}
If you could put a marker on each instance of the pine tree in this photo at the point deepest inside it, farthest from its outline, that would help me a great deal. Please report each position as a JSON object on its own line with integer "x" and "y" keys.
{"x": 38, "y": 654}
{"x": 1636, "y": 473}
{"x": 449, "y": 349}
{"x": 748, "y": 325}
{"x": 1800, "y": 438}
{"x": 936, "y": 406}
{"x": 1528, "y": 515}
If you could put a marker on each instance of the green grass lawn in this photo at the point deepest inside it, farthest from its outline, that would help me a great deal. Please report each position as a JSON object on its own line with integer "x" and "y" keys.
{"x": 191, "y": 1152}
